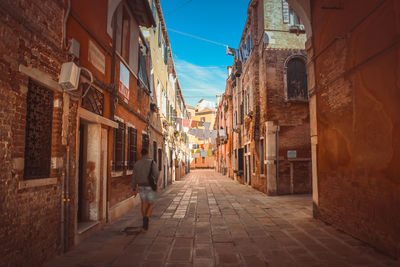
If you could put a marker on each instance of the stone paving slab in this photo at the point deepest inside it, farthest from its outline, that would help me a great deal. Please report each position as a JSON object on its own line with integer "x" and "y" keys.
{"x": 209, "y": 220}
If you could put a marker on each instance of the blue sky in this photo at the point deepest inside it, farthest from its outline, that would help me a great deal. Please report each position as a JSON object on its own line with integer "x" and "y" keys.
{"x": 201, "y": 66}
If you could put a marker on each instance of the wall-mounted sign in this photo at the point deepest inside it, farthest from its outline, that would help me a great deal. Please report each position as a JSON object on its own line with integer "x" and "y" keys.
{"x": 124, "y": 80}
{"x": 292, "y": 154}
{"x": 96, "y": 57}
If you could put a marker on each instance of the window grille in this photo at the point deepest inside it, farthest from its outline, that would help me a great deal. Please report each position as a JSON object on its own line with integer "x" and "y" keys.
{"x": 39, "y": 118}
{"x": 132, "y": 147}
{"x": 119, "y": 147}
{"x": 93, "y": 101}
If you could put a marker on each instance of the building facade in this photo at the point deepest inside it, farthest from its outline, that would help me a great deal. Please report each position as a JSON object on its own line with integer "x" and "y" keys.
{"x": 206, "y": 118}
{"x": 354, "y": 113}
{"x": 78, "y": 103}
{"x": 267, "y": 94}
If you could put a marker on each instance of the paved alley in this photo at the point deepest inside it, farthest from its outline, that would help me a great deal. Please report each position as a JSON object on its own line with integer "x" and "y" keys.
{"x": 209, "y": 220}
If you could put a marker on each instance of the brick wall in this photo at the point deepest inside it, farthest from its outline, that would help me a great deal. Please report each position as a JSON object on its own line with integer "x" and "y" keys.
{"x": 357, "y": 93}
{"x": 30, "y": 33}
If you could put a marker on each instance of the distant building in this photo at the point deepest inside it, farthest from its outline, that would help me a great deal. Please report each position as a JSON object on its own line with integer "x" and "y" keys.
{"x": 198, "y": 161}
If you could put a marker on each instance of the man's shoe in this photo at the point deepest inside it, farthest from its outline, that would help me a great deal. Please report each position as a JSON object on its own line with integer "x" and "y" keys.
{"x": 145, "y": 223}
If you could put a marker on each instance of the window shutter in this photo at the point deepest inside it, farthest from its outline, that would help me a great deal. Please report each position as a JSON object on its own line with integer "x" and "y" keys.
{"x": 119, "y": 144}
{"x": 126, "y": 31}
{"x": 159, "y": 35}
{"x": 285, "y": 12}
{"x": 118, "y": 29}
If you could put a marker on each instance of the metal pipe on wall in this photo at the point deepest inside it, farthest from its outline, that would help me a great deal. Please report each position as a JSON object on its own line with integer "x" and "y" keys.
{"x": 67, "y": 200}
{"x": 62, "y": 209}
{"x": 277, "y": 156}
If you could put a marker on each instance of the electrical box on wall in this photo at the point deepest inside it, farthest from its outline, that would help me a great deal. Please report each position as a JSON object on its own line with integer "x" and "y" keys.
{"x": 74, "y": 48}
{"x": 69, "y": 77}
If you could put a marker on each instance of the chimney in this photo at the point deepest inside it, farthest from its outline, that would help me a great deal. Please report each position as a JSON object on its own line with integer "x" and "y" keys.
{"x": 218, "y": 99}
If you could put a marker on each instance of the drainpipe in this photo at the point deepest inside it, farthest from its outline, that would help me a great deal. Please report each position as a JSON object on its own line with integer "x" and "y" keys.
{"x": 65, "y": 23}
{"x": 277, "y": 157}
{"x": 62, "y": 209}
{"x": 67, "y": 200}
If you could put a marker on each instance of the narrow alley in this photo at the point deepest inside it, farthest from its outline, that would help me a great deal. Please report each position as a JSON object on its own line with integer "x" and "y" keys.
{"x": 207, "y": 219}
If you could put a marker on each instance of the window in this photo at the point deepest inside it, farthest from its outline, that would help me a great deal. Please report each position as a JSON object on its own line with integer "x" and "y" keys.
{"x": 159, "y": 159}
{"x": 132, "y": 147}
{"x": 119, "y": 147}
{"x": 245, "y": 104}
{"x": 158, "y": 94}
{"x": 251, "y": 97}
{"x": 293, "y": 18}
{"x": 240, "y": 159}
{"x": 165, "y": 53}
{"x": 285, "y": 12}
{"x": 126, "y": 36}
{"x": 143, "y": 76}
{"x": 155, "y": 151}
{"x": 241, "y": 113}
{"x": 262, "y": 156}
{"x": 159, "y": 35}
{"x": 39, "y": 117}
{"x": 288, "y": 14}
{"x": 254, "y": 163}
{"x": 296, "y": 79}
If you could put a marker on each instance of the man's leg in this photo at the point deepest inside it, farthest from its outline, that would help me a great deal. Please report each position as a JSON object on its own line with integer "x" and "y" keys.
{"x": 144, "y": 207}
{"x": 149, "y": 209}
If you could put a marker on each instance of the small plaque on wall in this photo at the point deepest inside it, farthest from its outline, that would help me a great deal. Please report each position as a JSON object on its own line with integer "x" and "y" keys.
{"x": 292, "y": 154}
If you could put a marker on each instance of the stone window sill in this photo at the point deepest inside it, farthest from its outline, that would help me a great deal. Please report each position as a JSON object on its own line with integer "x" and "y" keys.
{"x": 36, "y": 183}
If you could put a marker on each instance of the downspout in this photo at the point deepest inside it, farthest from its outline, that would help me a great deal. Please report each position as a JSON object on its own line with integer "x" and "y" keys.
{"x": 113, "y": 99}
{"x": 65, "y": 172}
{"x": 67, "y": 200}
{"x": 277, "y": 157}
{"x": 65, "y": 24}
{"x": 62, "y": 209}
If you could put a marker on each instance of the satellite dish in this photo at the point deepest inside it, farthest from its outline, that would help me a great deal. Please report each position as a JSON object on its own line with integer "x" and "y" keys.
{"x": 266, "y": 38}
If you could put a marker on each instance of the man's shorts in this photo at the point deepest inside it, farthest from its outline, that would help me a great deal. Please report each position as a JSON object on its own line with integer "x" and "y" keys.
{"x": 146, "y": 193}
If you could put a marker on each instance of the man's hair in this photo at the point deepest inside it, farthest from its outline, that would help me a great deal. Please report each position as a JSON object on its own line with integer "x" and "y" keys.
{"x": 144, "y": 151}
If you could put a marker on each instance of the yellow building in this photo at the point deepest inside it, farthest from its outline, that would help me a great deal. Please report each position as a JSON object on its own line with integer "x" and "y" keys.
{"x": 169, "y": 98}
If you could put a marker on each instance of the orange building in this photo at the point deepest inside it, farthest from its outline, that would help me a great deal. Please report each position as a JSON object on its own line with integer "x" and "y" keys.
{"x": 114, "y": 116}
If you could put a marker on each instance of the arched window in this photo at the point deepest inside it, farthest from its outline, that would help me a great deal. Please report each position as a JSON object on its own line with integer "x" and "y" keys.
{"x": 296, "y": 79}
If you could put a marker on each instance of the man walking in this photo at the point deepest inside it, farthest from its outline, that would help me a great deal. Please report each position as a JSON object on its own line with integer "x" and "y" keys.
{"x": 144, "y": 169}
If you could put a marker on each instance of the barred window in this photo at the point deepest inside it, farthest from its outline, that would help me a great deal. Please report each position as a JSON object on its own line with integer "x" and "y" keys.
{"x": 39, "y": 118}
{"x": 132, "y": 147}
{"x": 119, "y": 147}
